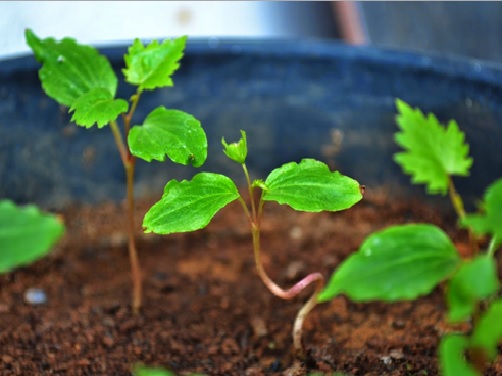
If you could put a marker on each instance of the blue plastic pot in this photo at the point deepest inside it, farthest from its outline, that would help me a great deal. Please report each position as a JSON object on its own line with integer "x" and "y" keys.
{"x": 289, "y": 96}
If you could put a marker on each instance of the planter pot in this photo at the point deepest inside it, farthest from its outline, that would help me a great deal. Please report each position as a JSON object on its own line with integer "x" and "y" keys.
{"x": 205, "y": 310}
{"x": 291, "y": 97}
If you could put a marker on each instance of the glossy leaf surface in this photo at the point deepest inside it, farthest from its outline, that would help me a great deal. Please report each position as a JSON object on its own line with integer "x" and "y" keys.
{"x": 70, "y": 70}
{"x": 169, "y": 132}
{"x": 190, "y": 205}
{"x": 152, "y": 66}
{"x": 311, "y": 186}
{"x": 97, "y": 106}
{"x": 398, "y": 263}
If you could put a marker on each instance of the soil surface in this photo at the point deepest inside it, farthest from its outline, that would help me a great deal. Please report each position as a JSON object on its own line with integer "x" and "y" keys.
{"x": 205, "y": 309}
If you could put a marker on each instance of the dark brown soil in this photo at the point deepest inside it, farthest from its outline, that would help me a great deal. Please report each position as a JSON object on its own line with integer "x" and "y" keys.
{"x": 205, "y": 309}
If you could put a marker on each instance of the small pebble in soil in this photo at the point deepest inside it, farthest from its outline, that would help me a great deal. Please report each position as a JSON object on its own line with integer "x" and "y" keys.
{"x": 398, "y": 324}
{"x": 35, "y": 296}
{"x": 275, "y": 366}
{"x": 259, "y": 327}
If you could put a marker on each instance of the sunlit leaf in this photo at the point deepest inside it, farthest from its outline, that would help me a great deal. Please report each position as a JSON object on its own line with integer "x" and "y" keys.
{"x": 152, "y": 66}
{"x": 70, "y": 70}
{"x": 169, "y": 132}
{"x": 190, "y": 205}
{"x": 432, "y": 152}
{"x": 398, "y": 263}
{"x": 97, "y": 107}
{"x": 311, "y": 186}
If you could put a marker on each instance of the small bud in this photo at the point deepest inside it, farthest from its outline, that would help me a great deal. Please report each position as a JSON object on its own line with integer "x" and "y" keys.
{"x": 237, "y": 151}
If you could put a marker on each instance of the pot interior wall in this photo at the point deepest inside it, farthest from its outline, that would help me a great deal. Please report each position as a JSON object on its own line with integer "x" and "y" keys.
{"x": 294, "y": 99}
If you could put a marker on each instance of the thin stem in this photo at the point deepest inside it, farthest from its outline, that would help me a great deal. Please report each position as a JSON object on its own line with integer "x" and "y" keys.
{"x": 129, "y": 162}
{"x": 251, "y": 191}
{"x": 128, "y": 117}
{"x": 458, "y": 205}
{"x": 290, "y": 293}
{"x": 254, "y": 220}
{"x": 129, "y": 166}
{"x": 119, "y": 141}
{"x": 492, "y": 247}
{"x": 133, "y": 254}
{"x": 305, "y": 310}
{"x": 455, "y": 198}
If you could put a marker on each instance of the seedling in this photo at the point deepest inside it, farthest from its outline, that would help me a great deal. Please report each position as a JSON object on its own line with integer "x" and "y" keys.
{"x": 306, "y": 186}
{"x": 26, "y": 234}
{"x": 79, "y": 77}
{"x": 406, "y": 261}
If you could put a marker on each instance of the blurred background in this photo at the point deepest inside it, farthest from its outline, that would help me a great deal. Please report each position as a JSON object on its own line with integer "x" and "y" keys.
{"x": 469, "y": 29}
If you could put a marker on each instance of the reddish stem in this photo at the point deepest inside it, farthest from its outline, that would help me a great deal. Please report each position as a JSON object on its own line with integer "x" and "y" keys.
{"x": 289, "y": 293}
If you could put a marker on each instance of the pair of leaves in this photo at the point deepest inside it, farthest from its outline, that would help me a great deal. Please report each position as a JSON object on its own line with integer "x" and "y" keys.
{"x": 432, "y": 153}
{"x": 79, "y": 77}
{"x": 307, "y": 186}
{"x": 26, "y": 234}
{"x": 397, "y": 263}
{"x": 484, "y": 341}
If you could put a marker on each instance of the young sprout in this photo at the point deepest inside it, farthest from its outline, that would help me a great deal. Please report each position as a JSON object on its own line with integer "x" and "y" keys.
{"x": 79, "y": 77}
{"x": 306, "y": 186}
{"x": 405, "y": 261}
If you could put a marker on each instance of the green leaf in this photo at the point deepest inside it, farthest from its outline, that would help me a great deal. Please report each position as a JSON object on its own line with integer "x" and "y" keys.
{"x": 152, "y": 66}
{"x": 97, "y": 106}
{"x": 400, "y": 262}
{"x": 490, "y": 221}
{"x": 190, "y": 205}
{"x": 143, "y": 370}
{"x": 432, "y": 152}
{"x": 169, "y": 132}
{"x": 236, "y": 151}
{"x": 70, "y": 70}
{"x": 474, "y": 281}
{"x": 452, "y": 358}
{"x": 311, "y": 186}
{"x": 26, "y": 234}
{"x": 488, "y": 331}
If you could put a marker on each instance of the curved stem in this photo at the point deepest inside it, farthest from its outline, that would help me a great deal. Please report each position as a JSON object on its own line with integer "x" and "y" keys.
{"x": 290, "y": 293}
{"x": 254, "y": 220}
{"x": 305, "y": 310}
